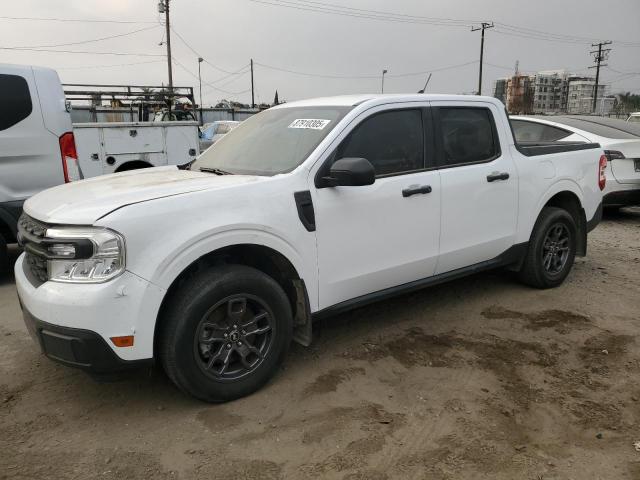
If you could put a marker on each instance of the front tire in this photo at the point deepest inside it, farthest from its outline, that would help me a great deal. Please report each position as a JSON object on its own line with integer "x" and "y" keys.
{"x": 552, "y": 249}
{"x": 225, "y": 333}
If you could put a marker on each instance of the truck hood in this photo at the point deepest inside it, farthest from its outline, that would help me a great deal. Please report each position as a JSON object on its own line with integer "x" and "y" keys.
{"x": 84, "y": 202}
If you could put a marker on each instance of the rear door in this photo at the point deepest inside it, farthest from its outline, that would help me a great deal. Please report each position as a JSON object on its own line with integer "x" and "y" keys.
{"x": 479, "y": 184}
{"x": 379, "y": 236}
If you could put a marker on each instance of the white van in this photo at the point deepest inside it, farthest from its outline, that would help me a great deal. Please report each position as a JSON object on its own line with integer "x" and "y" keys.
{"x": 40, "y": 148}
{"x": 35, "y": 136}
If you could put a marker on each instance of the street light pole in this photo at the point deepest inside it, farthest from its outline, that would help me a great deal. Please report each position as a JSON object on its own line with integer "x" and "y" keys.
{"x": 383, "y": 73}
{"x": 200, "y": 60}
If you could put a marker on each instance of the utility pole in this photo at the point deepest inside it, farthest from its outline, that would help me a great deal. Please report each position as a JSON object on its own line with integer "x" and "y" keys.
{"x": 200, "y": 60}
{"x": 483, "y": 26}
{"x": 253, "y": 101}
{"x": 383, "y": 74}
{"x": 163, "y": 7}
{"x": 599, "y": 56}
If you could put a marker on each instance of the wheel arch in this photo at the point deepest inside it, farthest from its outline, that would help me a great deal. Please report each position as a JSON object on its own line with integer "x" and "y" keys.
{"x": 132, "y": 165}
{"x": 568, "y": 197}
{"x": 263, "y": 258}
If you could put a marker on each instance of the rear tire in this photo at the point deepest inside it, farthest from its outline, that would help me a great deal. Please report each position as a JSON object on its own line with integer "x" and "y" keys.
{"x": 225, "y": 333}
{"x": 552, "y": 249}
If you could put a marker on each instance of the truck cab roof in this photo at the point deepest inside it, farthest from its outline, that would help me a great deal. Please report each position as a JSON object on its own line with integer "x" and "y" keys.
{"x": 381, "y": 99}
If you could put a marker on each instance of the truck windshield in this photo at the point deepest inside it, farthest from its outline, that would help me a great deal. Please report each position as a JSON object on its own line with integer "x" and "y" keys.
{"x": 271, "y": 142}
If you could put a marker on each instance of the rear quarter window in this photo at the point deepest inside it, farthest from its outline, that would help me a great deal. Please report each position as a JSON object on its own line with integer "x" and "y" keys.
{"x": 15, "y": 100}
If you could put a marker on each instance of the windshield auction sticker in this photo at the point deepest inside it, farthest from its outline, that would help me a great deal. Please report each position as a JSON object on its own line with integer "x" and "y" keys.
{"x": 312, "y": 123}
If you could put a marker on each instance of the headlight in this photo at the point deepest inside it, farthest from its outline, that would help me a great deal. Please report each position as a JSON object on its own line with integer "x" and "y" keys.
{"x": 84, "y": 255}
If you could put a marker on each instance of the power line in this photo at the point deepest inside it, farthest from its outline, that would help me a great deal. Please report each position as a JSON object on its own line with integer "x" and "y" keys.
{"x": 92, "y": 40}
{"x": 199, "y": 55}
{"x": 82, "y": 52}
{"x": 78, "y": 20}
{"x": 109, "y": 66}
{"x": 177, "y": 62}
{"x": 502, "y": 28}
{"x": 376, "y": 76}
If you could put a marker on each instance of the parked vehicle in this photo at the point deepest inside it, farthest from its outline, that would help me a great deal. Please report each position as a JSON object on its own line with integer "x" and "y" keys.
{"x": 174, "y": 116}
{"x": 210, "y": 133}
{"x": 112, "y": 147}
{"x": 634, "y": 117}
{"x": 40, "y": 147}
{"x": 37, "y": 149}
{"x": 621, "y": 141}
{"x": 305, "y": 210}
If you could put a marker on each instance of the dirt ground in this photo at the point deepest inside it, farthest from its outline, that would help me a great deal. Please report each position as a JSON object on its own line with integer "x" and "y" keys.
{"x": 479, "y": 378}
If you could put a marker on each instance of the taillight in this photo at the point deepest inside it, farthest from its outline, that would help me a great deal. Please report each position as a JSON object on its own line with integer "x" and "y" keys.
{"x": 70, "y": 165}
{"x": 602, "y": 180}
{"x": 614, "y": 155}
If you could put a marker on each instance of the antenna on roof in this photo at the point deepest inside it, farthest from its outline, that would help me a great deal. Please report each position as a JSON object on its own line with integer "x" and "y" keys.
{"x": 517, "y": 66}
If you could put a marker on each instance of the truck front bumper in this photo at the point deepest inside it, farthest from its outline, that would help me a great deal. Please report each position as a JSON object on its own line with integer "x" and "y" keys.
{"x": 74, "y": 323}
{"x": 76, "y": 347}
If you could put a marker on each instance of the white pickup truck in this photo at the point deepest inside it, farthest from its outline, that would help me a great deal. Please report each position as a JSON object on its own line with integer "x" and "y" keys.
{"x": 304, "y": 210}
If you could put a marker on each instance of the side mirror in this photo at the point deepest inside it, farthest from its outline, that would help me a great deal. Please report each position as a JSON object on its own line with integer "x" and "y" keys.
{"x": 351, "y": 172}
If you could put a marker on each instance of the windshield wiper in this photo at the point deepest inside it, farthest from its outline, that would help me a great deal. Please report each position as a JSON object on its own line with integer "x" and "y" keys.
{"x": 217, "y": 171}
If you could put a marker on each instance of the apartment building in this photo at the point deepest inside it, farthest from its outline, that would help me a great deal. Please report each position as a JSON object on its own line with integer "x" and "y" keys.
{"x": 550, "y": 92}
{"x": 580, "y": 96}
{"x": 520, "y": 90}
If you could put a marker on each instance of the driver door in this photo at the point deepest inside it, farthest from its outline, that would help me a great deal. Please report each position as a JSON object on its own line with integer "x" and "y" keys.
{"x": 376, "y": 237}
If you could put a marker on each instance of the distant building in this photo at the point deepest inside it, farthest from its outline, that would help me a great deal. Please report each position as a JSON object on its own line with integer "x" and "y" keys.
{"x": 520, "y": 90}
{"x": 500, "y": 89}
{"x": 580, "y": 96}
{"x": 550, "y": 92}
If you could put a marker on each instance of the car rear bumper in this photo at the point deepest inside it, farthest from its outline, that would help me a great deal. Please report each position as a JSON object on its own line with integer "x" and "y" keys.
{"x": 622, "y": 198}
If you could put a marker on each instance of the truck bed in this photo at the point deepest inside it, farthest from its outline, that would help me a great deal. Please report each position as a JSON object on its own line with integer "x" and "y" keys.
{"x": 533, "y": 149}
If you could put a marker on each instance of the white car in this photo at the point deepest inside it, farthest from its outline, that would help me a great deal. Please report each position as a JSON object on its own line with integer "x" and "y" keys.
{"x": 634, "y": 117}
{"x": 306, "y": 209}
{"x": 620, "y": 140}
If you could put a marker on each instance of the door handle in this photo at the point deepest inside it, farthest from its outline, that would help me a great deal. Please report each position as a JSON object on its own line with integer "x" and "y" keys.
{"x": 497, "y": 176}
{"x": 415, "y": 190}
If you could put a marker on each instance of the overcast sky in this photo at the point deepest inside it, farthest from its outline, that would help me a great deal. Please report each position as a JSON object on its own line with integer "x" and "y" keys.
{"x": 227, "y": 33}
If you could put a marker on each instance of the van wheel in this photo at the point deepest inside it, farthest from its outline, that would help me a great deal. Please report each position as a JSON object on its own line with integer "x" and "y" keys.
{"x": 4, "y": 259}
{"x": 552, "y": 249}
{"x": 225, "y": 333}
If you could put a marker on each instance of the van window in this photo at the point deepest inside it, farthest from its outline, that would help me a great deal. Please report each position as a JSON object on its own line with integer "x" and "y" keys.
{"x": 468, "y": 135}
{"x": 15, "y": 100}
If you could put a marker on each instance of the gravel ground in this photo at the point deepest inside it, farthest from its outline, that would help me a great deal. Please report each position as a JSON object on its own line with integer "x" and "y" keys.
{"x": 479, "y": 378}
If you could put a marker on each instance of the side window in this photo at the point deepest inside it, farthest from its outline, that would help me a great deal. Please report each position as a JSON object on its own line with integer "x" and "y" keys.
{"x": 392, "y": 141}
{"x": 553, "y": 134}
{"x": 537, "y": 132}
{"x": 15, "y": 100}
{"x": 468, "y": 135}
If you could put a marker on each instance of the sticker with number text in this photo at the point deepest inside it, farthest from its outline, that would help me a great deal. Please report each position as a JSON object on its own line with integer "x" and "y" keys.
{"x": 312, "y": 123}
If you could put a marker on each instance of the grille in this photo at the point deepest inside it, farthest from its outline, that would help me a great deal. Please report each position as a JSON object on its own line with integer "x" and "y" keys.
{"x": 30, "y": 235}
